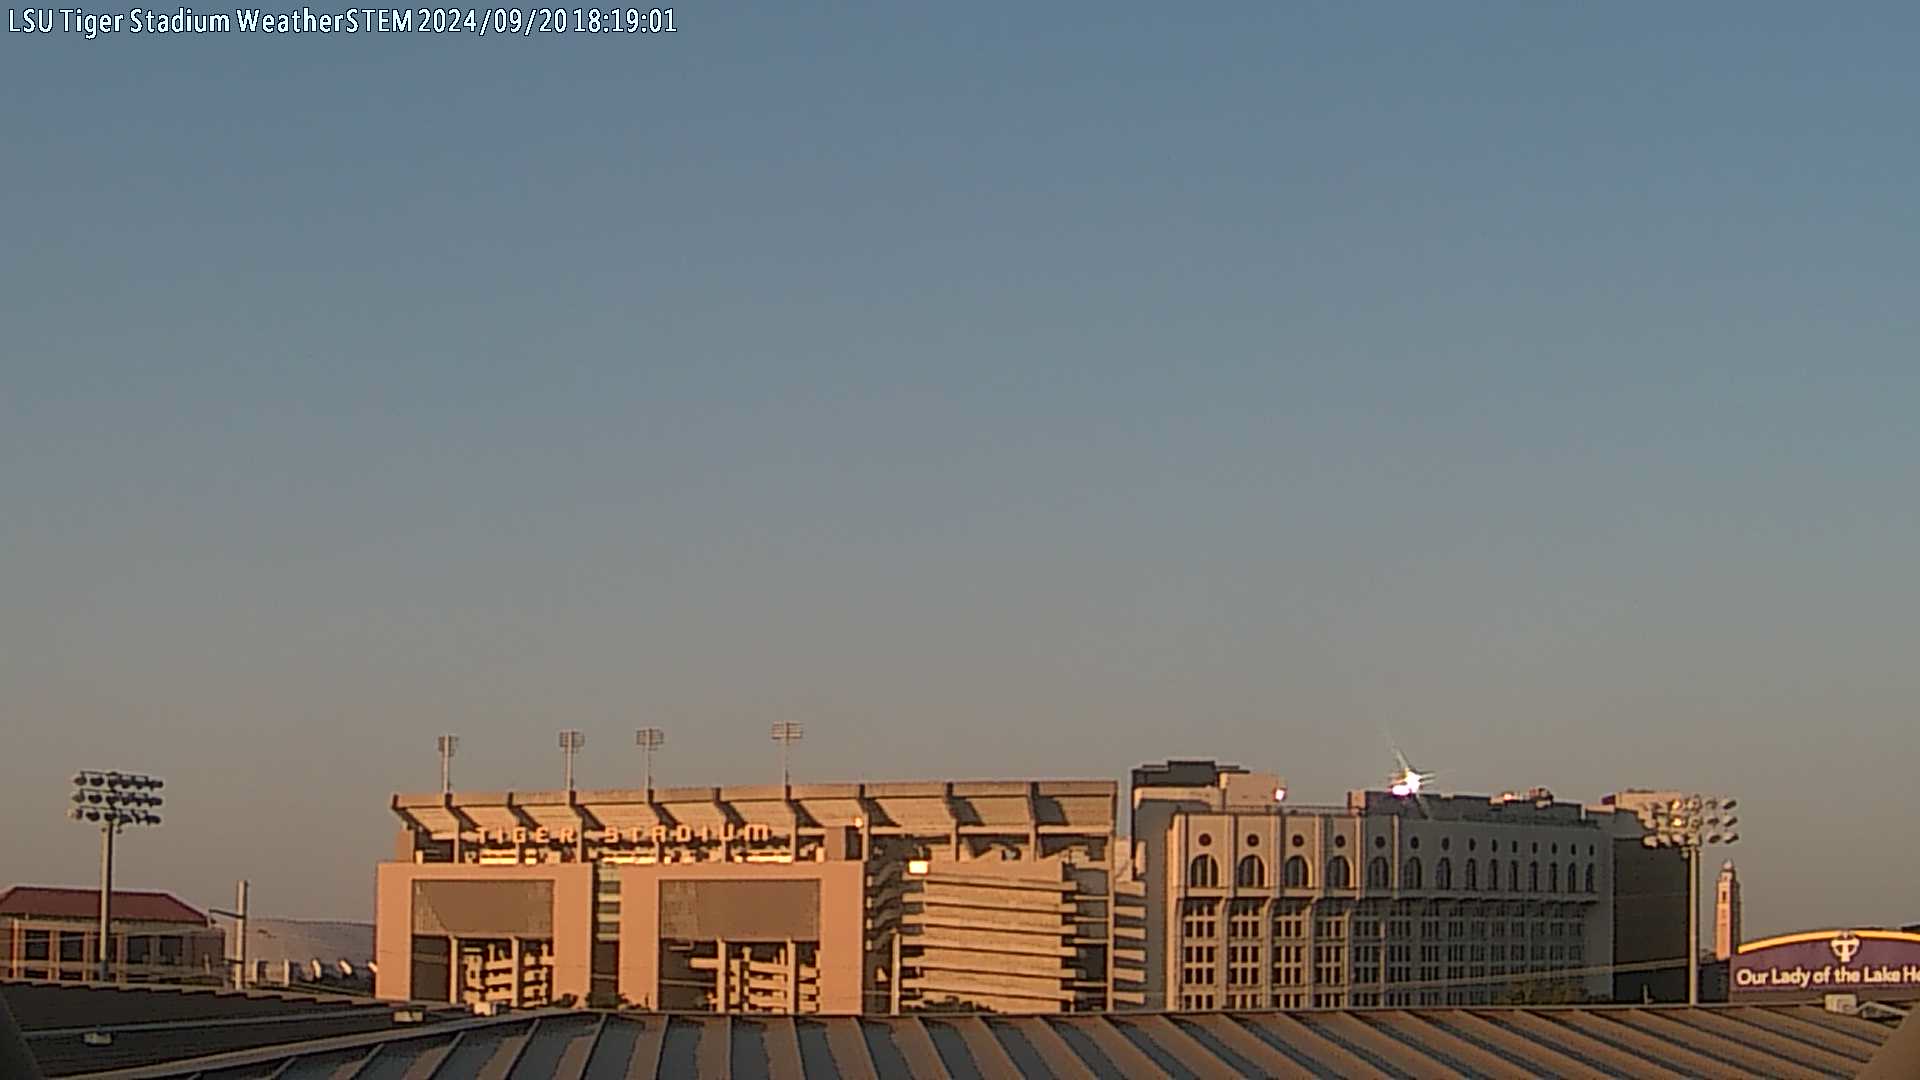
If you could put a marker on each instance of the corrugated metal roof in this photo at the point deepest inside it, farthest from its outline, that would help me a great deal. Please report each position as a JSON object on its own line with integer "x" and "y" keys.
{"x": 62, "y": 1022}
{"x": 1422, "y": 1044}
{"x": 51, "y": 902}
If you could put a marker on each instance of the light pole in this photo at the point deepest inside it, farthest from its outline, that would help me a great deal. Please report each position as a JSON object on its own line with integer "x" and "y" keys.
{"x": 571, "y": 742}
{"x": 1690, "y": 822}
{"x": 113, "y": 801}
{"x": 448, "y": 744}
{"x": 649, "y": 739}
{"x": 786, "y": 733}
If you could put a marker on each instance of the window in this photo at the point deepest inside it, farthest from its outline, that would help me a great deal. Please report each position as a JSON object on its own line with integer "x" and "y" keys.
{"x": 1252, "y": 873}
{"x": 1330, "y": 965}
{"x": 1197, "y": 965}
{"x": 1573, "y": 878}
{"x": 1473, "y": 874}
{"x": 1443, "y": 873}
{"x": 1243, "y": 965}
{"x": 1296, "y": 872}
{"x": 1339, "y": 873}
{"x": 139, "y": 950}
{"x": 1379, "y": 873}
{"x": 1589, "y": 877}
{"x": 1410, "y": 873}
{"x": 1289, "y": 965}
{"x": 1553, "y": 877}
{"x": 38, "y": 945}
{"x": 1533, "y": 877}
{"x": 1203, "y": 872}
{"x": 72, "y": 948}
{"x": 1244, "y": 918}
{"x": 1513, "y": 875}
{"x": 1290, "y": 923}
{"x": 1200, "y": 919}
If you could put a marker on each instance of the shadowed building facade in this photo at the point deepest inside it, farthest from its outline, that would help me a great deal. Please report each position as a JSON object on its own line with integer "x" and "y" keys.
{"x": 825, "y": 898}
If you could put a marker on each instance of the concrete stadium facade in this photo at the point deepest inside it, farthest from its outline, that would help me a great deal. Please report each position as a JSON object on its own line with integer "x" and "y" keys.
{"x": 829, "y": 898}
{"x": 1012, "y": 897}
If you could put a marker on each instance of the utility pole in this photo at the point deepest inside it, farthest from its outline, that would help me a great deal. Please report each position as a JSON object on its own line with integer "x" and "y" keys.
{"x": 241, "y": 974}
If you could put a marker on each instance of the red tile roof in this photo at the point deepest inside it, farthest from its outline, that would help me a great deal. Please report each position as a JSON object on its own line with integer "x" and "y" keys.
{"x": 48, "y": 902}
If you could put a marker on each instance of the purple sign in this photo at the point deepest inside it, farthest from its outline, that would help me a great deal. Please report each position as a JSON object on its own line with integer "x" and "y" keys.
{"x": 1866, "y": 963}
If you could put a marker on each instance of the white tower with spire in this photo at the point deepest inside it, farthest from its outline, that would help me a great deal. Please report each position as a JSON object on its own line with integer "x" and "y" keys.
{"x": 1726, "y": 913}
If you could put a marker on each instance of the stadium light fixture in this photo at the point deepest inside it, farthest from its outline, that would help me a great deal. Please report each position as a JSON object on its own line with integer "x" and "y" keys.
{"x": 1691, "y": 823}
{"x": 786, "y": 733}
{"x": 571, "y": 743}
{"x": 113, "y": 801}
{"x": 649, "y": 739}
{"x": 447, "y": 744}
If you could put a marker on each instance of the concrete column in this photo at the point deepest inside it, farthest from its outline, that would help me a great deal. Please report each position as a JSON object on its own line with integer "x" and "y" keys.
{"x": 793, "y": 976}
{"x": 519, "y": 970}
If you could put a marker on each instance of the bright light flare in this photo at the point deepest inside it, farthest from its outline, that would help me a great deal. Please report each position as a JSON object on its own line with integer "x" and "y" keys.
{"x": 1408, "y": 785}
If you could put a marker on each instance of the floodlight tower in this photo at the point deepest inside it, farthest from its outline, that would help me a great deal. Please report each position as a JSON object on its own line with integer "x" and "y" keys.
{"x": 649, "y": 739}
{"x": 786, "y": 733}
{"x": 1690, "y": 823}
{"x": 113, "y": 801}
{"x": 448, "y": 744}
{"x": 571, "y": 742}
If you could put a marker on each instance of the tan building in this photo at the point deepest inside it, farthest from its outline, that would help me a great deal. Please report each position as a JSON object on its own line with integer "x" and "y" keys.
{"x": 825, "y": 898}
{"x": 1253, "y": 903}
{"x": 50, "y": 933}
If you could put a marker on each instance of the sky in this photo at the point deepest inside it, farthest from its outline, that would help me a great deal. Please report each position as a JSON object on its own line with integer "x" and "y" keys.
{"x": 999, "y": 392}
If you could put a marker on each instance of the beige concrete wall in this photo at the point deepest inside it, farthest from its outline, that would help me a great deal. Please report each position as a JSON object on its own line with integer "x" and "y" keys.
{"x": 842, "y": 923}
{"x": 573, "y": 910}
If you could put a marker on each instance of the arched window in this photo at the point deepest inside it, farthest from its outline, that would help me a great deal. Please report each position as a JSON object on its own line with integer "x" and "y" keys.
{"x": 1251, "y": 874}
{"x": 1203, "y": 873}
{"x": 1589, "y": 877}
{"x": 1339, "y": 873}
{"x": 1379, "y": 873}
{"x": 1493, "y": 874}
{"x": 1473, "y": 874}
{"x": 1573, "y": 878}
{"x": 1296, "y": 871}
{"x": 1553, "y": 877}
{"x": 1410, "y": 874}
{"x": 1443, "y": 873}
{"x": 1513, "y": 875}
{"x": 1533, "y": 877}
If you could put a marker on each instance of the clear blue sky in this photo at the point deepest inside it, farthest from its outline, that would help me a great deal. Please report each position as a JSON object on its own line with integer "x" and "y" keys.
{"x": 1008, "y": 390}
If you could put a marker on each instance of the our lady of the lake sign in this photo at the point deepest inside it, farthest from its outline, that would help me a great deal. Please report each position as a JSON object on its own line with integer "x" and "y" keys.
{"x": 1871, "y": 964}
